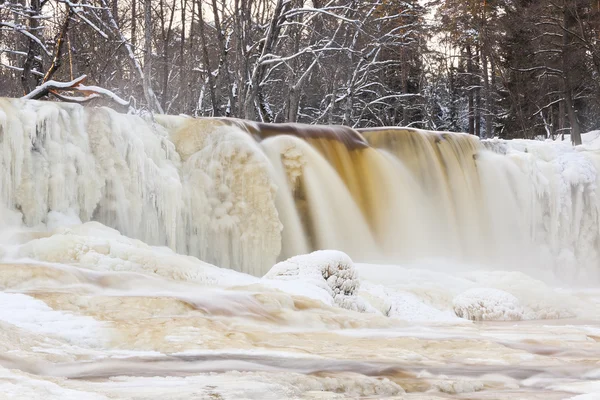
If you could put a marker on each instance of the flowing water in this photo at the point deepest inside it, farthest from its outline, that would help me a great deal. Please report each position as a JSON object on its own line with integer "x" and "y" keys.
{"x": 104, "y": 218}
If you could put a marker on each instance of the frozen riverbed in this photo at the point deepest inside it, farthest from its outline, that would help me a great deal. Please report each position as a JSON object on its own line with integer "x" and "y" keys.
{"x": 90, "y": 314}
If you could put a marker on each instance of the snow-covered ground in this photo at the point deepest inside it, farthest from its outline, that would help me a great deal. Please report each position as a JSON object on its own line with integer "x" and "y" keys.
{"x": 90, "y": 314}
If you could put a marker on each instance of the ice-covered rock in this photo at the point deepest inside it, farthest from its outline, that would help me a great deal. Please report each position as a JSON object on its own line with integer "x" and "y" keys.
{"x": 539, "y": 300}
{"x": 403, "y": 305}
{"x": 330, "y": 270}
{"x": 487, "y": 304}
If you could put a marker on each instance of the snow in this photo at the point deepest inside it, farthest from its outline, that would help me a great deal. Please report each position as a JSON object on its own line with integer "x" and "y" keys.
{"x": 25, "y": 31}
{"x": 590, "y": 388}
{"x": 35, "y": 316}
{"x": 589, "y": 396}
{"x": 554, "y": 191}
{"x": 99, "y": 248}
{"x": 103, "y": 92}
{"x": 206, "y": 188}
{"x": 329, "y": 270}
{"x": 453, "y": 386}
{"x": 128, "y": 173}
{"x": 403, "y": 305}
{"x": 53, "y": 85}
{"x": 589, "y": 140}
{"x": 222, "y": 325}
{"x": 14, "y": 386}
{"x": 487, "y": 304}
{"x": 99, "y": 300}
{"x": 429, "y": 283}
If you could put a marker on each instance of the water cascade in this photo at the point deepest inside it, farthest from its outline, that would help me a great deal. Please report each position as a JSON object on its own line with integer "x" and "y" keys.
{"x": 242, "y": 195}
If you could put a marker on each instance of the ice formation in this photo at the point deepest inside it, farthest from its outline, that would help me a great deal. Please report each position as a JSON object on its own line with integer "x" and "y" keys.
{"x": 329, "y": 270}
{"x": 487, "y": 304}
{"x": 110, "y": 225}
{"x": 208, "y": 188}
{"x": 89, "y": 313}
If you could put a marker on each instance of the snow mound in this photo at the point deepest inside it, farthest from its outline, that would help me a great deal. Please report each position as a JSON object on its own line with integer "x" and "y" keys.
{"x": 96, "y": 247}
{"x": 350, "y": 384}
{"x": 487, "y": 304}
{"x": 403, "y": 305}
{"x": 456, "y": 385}
{"x": 539, "y": 300}
{"x": 329, "y": 270}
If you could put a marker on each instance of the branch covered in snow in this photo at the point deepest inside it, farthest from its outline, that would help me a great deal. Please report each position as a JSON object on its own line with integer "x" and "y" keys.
{"x": 46, "y": 87}
{"x": 91, "y": 92}
{"x": 23, "y": 30}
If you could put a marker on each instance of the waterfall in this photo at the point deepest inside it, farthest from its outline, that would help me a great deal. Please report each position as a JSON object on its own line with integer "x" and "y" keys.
{"x": 243, "y": 195}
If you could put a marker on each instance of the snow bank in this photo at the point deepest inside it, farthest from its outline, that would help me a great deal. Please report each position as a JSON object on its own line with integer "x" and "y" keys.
{"x": 97, "y": 247}
{"x": 451, "y": 385}
{"x": 487, "y": 304}
{"x": 329, "y": 270}
{"x": 538, "y": 300}
{"x": 22, "y": 386}
{"x": 589, "y": 140}
{"x": 589, "y": 396}
{"x": 431, "y": 284}
{"x": 402, "y": 305}
{"x": 588, "y": 390}
{"x": 35, "y": 316}
{"x": 350, "y": 384}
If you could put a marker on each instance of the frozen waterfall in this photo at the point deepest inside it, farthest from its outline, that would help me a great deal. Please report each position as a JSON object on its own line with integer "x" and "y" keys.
{"x": 242, "y": 195}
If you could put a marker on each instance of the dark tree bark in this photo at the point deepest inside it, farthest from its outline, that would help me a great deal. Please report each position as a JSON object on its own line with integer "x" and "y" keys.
{"x": 33, "y": 61}
{"x": 470, "y": 90}
{"x": 60, "y": 41}
{"x": 568, "y": 21}
{"x": 208, "y": 70}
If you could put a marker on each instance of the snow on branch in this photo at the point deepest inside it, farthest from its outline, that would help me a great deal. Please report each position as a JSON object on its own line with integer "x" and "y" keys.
{"x": 103, "y": 92}
{"x": 23, "y": 30}
{"x": 90, "y": 92}
{"x": 45, "y": 88}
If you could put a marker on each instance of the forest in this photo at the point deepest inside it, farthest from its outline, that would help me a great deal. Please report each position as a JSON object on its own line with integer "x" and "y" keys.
{"x": 492, "y": 68}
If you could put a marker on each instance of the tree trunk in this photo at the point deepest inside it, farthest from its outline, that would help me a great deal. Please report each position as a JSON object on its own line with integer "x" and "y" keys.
{"x": 293, "y": 105}
{"x": 552, "y": 123}
{"x": 487, "y": 94}
{"x": 29, "y": 79}
{"x": 477, "y": 79}
{"x": 206, "y": 58}
{"x": 453, "y": 118}
{"x": 492, "y": 93}
{"x": 223, "y": 67}
{"x": 404, "y": 85}
{"x": 470, "y": 90}
{"x": 115, "y": 10}
{"x": 165, "y": 57}
{"x": 272, "y": 35}
{"x": 182, "y": 100}
{"x": 133, "y": 22}
{"x": 62, "y": 36}
{"x": 561, "y": 119}
{"x": 568, "y": 20}
{"x": 147, "y": 80}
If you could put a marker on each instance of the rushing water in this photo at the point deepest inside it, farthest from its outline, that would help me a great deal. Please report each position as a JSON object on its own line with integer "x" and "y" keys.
{"x": 98, "y": 301}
